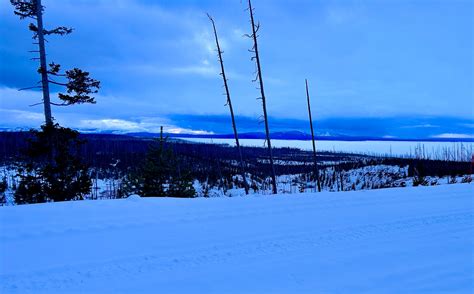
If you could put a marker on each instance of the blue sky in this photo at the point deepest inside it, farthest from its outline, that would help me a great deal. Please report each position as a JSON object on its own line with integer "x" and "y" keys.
{"x": 385, "y": 68}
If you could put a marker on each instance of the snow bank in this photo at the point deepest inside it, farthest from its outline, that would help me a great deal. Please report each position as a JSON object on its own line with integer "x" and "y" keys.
{"x": 134, "y": 198}
{"x": 401, "y": 240}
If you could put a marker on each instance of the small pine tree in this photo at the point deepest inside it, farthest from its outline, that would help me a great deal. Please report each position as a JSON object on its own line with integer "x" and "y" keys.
{"x": 160, "y": 174}
{"x": 182, "y": 187}
{"x": 156, "y": 170}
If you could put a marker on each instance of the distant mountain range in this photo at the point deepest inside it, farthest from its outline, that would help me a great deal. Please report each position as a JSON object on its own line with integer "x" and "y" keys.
{"x": 297, "y": 135}
{"x": 288, "y": 135}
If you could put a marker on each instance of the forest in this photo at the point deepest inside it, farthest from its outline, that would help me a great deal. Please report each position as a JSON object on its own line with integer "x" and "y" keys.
{"x": 113, "y": 161}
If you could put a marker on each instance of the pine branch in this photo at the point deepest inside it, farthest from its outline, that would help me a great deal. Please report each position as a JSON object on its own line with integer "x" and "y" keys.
{"x": 25, "y": 9}
{"x": 56, "y": 83}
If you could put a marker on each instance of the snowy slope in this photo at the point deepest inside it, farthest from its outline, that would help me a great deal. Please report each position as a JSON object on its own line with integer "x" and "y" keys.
{"x": 400, "y": 240}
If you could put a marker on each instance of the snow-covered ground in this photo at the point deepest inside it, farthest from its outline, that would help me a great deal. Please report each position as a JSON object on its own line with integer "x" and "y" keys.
{"x": 400, "y": 240}
{"x": 363, "y": 178}
{"x": 418, "y": 149}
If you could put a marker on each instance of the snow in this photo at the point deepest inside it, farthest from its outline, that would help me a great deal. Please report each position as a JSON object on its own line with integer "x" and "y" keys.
{"x": 434, "y": 150}
{"x": 134, "y": 198}
{"x": 399, "y": 240}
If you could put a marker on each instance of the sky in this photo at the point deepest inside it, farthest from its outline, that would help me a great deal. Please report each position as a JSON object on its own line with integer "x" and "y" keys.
{"x": 387, "y": 68}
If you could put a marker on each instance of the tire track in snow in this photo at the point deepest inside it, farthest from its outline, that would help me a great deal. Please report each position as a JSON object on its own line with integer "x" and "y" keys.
{"x": 58, "y": 279}
{"x": 272, "y": 209}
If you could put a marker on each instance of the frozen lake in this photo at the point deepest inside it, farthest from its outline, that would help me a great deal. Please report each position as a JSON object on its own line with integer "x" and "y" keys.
{"x": 439, "y": 150}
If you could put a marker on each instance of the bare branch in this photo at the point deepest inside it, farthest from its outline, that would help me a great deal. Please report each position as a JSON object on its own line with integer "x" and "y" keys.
{"x": 36, "y": 104}
{"x": 61, "y": 104}
{"x": 28, "y": 88}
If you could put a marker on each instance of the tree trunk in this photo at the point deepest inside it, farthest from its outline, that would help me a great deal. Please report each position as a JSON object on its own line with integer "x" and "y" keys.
{"x": 315, "y": 161}
{"x": 262, "y": 92}
{"x": 229, "y": 103}
{"x": 43, "y": 65}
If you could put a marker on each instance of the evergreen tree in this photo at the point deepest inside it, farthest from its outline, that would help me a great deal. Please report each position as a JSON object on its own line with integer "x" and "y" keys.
{"x": 58, "y": 176}
{"x": 53, "y": 171}
{"x": 157, "y": 169}
{"x": 160, "y": 174}
{"x": 182, "y": 186}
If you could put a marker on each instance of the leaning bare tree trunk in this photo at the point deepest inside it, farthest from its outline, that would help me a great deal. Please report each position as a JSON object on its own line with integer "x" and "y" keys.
{"x": 43, "y": 65}
{"x": 315, "y": 161}
{"x": 262, "y": 92}
{"x": 229, "y": 102}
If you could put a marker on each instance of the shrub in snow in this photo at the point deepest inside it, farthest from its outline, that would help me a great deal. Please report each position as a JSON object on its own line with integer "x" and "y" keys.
{"x": 452, "y": 180}
{"x": 466, "y": 179}
{"x": 418, "y": 178}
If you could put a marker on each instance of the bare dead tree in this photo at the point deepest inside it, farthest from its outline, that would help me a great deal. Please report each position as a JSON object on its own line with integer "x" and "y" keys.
{"x": 315, "y": 160}
{"x": 229, "y": 103}
{"x": 256, "y": 57}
